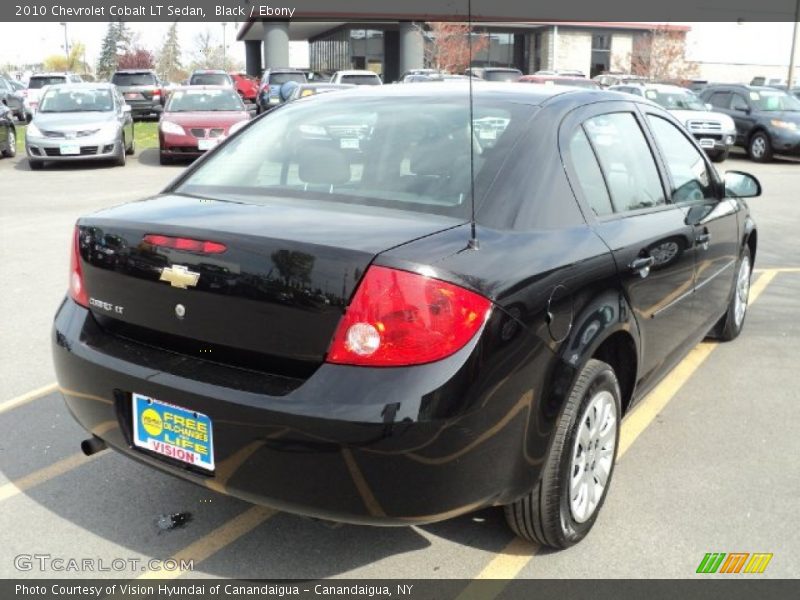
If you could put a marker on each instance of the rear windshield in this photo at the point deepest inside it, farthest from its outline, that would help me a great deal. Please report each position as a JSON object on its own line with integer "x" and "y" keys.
{"x": 204, "y": 100}
{"x": 404, "y": 153}
{"x": 509, "y": 75}
{"x": 280, "y": 78}
{"x": 132, "y": 79}
{"x": 39, "y": 82}
{"x": 210, "y": 79}
{"x": 361, "y": 79}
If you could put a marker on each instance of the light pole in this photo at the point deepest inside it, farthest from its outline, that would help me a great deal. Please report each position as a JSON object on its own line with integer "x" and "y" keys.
{"x": 66, "y": 43}
{"x": 790, "y": 78}
{"x": 225, "y": 49}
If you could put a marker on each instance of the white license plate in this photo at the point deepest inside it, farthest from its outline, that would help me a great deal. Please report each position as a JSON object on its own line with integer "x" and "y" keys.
{"x": 69, "y": 149}
{"x": 206, "y": 144}
{"x": 132, "y": 96}
{"x": 706, "y": 143}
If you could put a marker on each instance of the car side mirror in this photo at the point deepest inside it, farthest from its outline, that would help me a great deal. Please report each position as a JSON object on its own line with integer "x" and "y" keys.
{"x": 709, "y": 106}
{"x": 743, "y": 109}
{"x": 741, "y": 185}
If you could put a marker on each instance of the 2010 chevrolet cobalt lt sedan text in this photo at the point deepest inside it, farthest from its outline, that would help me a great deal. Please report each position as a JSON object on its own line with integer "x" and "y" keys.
{"x": 396, "y": 305}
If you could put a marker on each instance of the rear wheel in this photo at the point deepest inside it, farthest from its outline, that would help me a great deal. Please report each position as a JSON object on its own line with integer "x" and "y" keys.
{"x": 731, "y": 324}
{"x": 720, "y": 156}
{"x": 132, "y": 148}
{"x": 562, "y": 508}
{"x": 760, "y": 148}
{"x": 11, "y": 144}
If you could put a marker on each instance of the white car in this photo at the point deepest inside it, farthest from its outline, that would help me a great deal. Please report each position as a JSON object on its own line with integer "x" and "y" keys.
{"x": 39, "y": 81}
{"x": 356, "y": 77}
{"x": 714, "y": 131}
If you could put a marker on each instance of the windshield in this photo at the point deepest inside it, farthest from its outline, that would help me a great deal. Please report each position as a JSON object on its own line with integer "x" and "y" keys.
{"x": 361, "y": 79}
{"x": 131, "y": 79}
{"x": 210, "y": 79}
{"x": 39, "y": 82}
{"x": 77, "y": 100}
{"x": 675, "y": 100}
{"x": 204, "y": 100}
{"x": 774, "y": 100}
{"x": 280, "y": 78}
{"x": 404, "y": 153}
{"x": 506, "y": 75}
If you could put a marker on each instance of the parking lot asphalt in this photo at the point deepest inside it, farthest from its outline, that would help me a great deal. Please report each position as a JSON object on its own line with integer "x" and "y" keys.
{"x": 709, "y": 461}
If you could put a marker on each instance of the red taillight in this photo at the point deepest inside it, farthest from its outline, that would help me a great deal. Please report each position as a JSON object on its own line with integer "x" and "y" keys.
{"x": 156, "y": 93}
{"x": 397, "y": 318}
{"x": 189, "y": 245}
{"x": 77, "y": 291}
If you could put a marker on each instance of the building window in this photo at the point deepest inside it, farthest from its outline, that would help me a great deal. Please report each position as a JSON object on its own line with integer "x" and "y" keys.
{"x": 601, "y": 54}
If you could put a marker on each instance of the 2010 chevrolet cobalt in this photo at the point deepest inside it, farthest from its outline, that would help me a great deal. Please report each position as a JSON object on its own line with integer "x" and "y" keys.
{"x": 392, "y": 306}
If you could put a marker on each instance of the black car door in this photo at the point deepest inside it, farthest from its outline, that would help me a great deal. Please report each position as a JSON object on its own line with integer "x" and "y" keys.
{"x": 742, "y": 114}
{"x": 614, "y": 172}
{"x": 694, "y": 185}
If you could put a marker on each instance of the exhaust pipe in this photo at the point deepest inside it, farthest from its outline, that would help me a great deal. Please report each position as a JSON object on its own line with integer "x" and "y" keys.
{"x": 92, "y": 446}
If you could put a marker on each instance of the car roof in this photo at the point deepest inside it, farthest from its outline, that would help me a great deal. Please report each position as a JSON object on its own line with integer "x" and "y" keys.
{"x": 134, "y": 71}
{"x": 356, "y": 72}
{"x": 201, "y": 87}
{"x": 84, "y": 85}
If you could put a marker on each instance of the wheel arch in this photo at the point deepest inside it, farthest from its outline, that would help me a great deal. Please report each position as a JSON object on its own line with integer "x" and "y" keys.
{"x": 750, "y": 238}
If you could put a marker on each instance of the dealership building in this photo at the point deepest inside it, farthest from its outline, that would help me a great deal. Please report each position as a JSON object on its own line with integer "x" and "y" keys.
{"x": 391, "y": 47}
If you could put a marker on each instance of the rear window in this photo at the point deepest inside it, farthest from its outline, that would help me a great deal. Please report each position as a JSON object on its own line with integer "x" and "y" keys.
{"x": 510, "y": 75}
{"x": 204, "y": 100}
{"x": 386, "y": 152}
{"x": 133, "y": 79}
{"x": 280, "y": 78}
{"x": 361, "y": 79}
{"x": 210, "y": 79}
{"x": 36, "y": 83}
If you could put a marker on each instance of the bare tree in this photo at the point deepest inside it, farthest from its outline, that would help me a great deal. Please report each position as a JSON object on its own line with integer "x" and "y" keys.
{"x": 660, "y": 54}
{"x": 450, "y": 47}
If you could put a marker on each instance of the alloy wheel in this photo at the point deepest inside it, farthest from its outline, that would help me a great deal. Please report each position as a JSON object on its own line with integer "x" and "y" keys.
{"x": 742, "y": 292}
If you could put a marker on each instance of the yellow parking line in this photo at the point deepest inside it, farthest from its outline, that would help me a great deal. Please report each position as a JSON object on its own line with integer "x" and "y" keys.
{"x": 13, "y": 488}
{"x": 213, "y": 542}
{"x": 517, "y": 554}
{"x": 779, "y": 270}
{"x": 25, "y": 398}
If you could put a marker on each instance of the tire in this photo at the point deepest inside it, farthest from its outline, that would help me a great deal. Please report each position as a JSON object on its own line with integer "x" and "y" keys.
{"x": 730, "y": 325}
{"x": 11, "y": 144}
{"x": 121, "y": 157}
{"x": 552, "y": 513}
{"x": 720, "y": 156}
{"x": 759, "y": 148}
{"x": 130, "y": 150}
{"x": 163, "y": 159}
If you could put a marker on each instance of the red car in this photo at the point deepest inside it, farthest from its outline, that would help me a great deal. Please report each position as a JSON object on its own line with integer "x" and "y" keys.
{"x": 246, "y": 86}
{"x": 560, "y": 80}
{"x": 197, "y": 118}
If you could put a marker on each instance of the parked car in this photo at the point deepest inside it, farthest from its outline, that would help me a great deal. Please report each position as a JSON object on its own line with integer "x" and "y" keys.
{"x": 246, "y": 86}
{"x": 211, "y": 77}
{"x": 714, "y": 131}
{"x": 304, "y": 90}
{"x": 767, "y": 120}
{"x": 560, "y": 80}
{"x": 10, "y": 97}
{"x": 80, "y": 121}
{"x": 39, "y": 81}
{"x": 8, "y": 133}
{"x": 270, "y": 86}
{"x": 412, "y": 72}
{"x": 196, "y": 119}
{"x": 142, "y": 90}
{"x": 608, "y": 79}
{"x": 356, "y": 77}
{"x": 368, "y": 324}
{"x": 778, "y": 82}
{"x": 494, "y": 73}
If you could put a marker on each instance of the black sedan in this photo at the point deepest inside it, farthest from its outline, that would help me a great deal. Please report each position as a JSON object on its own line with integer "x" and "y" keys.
{"x": 329, "y": 315}
{"x": 8, "y": 133}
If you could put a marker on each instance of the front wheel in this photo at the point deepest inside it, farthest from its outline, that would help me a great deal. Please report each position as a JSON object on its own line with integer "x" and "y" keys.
{"x": 562, "y": 508}
{"x": 760, "y": 148}
{"x": 732, "y": 322}
{"x": 122, "y": 154}
{"x": 11, "y": 144}
{"x": 720, "y": 156}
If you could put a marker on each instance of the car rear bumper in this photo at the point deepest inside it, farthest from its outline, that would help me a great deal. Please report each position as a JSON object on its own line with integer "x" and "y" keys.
{"x": 377, "y": 446}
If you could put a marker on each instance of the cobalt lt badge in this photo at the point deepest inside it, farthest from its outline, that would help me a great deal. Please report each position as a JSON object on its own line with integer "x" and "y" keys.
{"x": 179, "y": 276}
{"x": 180, "y": 311}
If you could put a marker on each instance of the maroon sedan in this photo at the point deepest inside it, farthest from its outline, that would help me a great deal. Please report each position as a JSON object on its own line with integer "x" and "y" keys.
{"x": 197, "y": 118}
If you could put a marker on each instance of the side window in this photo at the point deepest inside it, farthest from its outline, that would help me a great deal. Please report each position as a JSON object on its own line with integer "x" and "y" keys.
{"x": 720, "y": 99}
{"x": 738, "y": 103}
{"x": 687, "y": 168}
{"x": 590, "y": 178}
{"x": 626, "y": 161}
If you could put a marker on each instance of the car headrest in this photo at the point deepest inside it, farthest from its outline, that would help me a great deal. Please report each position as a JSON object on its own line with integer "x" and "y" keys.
{"x": 434, "y": 159}
{"x": 321, "y": 165}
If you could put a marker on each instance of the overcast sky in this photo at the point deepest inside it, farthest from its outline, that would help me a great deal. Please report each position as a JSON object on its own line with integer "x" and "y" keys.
{"x": 748, "y": 43}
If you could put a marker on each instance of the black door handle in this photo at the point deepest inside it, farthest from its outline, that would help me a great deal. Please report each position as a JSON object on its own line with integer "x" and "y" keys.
{"x": 642, "y": 265}
{"x": 703, "y": 239}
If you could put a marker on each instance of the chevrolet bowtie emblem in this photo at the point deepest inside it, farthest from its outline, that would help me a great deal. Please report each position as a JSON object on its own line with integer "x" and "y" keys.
{"x": 179, "y": 276}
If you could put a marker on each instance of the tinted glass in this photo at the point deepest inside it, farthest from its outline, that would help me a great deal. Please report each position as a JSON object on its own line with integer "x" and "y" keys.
{"x": 738, "y": 103}
{"x": 204, "y": 100}
{"x": 39, "y": 82}
{"x": 774, "y": 101}
{"x": 687, "y": 168}
{"x": 210, "y": 79}
{"x": 720, "y": 99}
{"x": 132, "y": 79}
{"x": 77, "y": 100}
{"x": 590, "y": 178}
{"x": 510, "y": 75}
{"x": 279, "y": 78}
{"x": 361, "y": 79}
{"x": 626, "y": 160}
{"x": 379, "y": 151}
